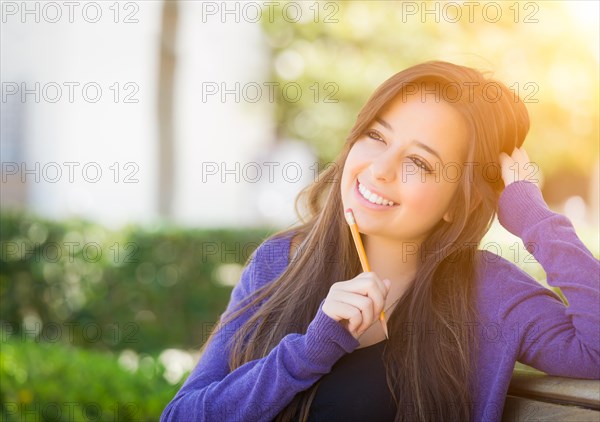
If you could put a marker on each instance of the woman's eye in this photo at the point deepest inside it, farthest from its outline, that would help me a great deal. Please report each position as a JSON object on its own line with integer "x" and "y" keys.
{"x": 374, "y": 135}
{"x": 420, "y": 163}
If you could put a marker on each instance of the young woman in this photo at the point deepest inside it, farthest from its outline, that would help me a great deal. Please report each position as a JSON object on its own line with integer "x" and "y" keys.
{"x": 434, "y": 154}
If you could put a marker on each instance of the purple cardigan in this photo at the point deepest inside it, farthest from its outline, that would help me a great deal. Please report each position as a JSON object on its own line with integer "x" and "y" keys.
{"x": 520, "y": 320}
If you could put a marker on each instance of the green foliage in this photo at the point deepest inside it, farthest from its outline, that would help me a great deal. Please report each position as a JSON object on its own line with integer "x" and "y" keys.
{"x": 137, "y": 288}
{"x": 56, "y": 382}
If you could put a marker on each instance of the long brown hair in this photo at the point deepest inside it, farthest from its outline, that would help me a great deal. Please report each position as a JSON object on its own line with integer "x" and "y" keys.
{"x": 430, "y": 376}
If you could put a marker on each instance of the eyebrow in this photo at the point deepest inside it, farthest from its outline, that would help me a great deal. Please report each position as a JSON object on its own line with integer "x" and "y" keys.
{"x": 414, "y": 141}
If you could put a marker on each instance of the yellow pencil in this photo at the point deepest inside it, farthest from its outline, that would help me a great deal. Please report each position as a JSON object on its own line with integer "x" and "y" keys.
{"x": 363, "y": 257}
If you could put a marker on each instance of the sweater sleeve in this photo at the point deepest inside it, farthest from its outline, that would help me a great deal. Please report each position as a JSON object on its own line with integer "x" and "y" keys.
{"x": 259, "y": 389}
{"x": 559, "y": 339}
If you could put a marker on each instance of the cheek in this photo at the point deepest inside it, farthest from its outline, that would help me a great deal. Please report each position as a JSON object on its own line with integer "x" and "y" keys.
{"x": 362, "y": 152}
{"x": 426, "y": 198}
{"x": 354, "y": 162}
{"x": 348, "y": 175}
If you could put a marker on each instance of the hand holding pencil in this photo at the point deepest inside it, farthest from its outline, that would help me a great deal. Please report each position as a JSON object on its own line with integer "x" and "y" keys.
{"x": 362, "y": 255}
{"x": 357, "y": 303}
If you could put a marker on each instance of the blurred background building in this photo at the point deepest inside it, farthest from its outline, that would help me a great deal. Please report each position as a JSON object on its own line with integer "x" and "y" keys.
{"x": 85, "y": 131}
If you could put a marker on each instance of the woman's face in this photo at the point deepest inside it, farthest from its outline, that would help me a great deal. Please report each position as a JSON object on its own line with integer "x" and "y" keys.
{"x": 412, "y": 154}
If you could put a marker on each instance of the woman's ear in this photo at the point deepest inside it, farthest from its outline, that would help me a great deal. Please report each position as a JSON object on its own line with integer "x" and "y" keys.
{"x": 448, "y": 217}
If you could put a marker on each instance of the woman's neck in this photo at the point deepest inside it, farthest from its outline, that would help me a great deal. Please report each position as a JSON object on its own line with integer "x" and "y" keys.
{"x": 392, "y": 259}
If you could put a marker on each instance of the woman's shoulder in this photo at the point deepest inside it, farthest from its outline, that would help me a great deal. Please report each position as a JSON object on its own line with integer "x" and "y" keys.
{"x": 494, "y": 271}
{"x": 282, "y": 244}
{"x": 271, "y": 257}
{"x": 499, "y": 282}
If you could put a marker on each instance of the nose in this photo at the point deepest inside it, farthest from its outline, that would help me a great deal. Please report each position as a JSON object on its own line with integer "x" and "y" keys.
{"x": 385, "y": 166}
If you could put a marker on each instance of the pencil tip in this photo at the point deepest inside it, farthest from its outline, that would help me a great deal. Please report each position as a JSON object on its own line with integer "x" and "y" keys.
{"x": 385, "y": 330}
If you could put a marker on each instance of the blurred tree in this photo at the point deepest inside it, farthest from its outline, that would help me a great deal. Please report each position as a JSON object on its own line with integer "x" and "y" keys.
{"x": 339, "y": 52}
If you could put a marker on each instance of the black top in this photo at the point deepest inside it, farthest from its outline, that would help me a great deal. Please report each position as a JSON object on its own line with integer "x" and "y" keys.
{"x": 355, "y": 389}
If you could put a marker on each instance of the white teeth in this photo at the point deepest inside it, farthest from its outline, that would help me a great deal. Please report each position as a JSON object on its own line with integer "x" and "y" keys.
{"x": 372, "y": 197}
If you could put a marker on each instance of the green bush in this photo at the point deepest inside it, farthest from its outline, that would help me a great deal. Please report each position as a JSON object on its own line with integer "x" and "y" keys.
{"x": 58, "y": 382}
{"x": 138, "y": 288}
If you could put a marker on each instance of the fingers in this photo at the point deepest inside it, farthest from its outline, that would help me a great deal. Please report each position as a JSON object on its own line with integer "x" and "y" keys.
{"x": 517, "y": 154}
{"x": 506, "y": 166}
{"x": 358, "y": 301}
{"x": 504, "y": 159}
{"x": 357, "y": 309}
{"x": 515, "y": 167}
{"x": 520, "y": 155}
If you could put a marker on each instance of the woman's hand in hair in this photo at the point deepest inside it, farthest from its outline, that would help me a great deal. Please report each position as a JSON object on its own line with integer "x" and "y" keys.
{"x": 357, "y": 303}
{"x": 518, "y": 167}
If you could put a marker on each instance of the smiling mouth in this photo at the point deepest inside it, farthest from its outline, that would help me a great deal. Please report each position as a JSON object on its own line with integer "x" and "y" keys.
{"x": 373, "y": 197}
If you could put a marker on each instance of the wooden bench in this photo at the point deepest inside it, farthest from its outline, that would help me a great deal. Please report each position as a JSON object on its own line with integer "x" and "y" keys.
{"x": 535, "y": 396}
